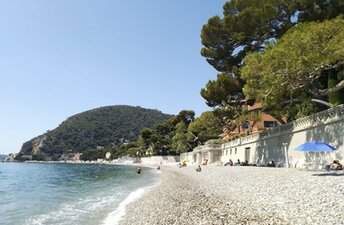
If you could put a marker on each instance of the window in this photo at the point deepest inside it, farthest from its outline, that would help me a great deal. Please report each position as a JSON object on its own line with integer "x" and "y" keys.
{"x": 230, "y": 152}
{"x": 236, "y": 151}
{"x": 270, "y": 123}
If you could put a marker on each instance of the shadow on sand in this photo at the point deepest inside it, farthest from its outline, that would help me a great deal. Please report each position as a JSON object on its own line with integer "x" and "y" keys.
{"x": 328, "y": 174}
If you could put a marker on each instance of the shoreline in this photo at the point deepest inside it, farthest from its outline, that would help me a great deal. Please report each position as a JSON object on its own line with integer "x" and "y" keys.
{"x": 120, "y": 212}
{"x": 240, "y": 195}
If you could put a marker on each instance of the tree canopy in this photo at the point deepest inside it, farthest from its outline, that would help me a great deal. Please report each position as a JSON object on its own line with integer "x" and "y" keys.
{"x": 293, "y": 67}
{"x": 206, "y": 125}
{"x": 249, "y": 26}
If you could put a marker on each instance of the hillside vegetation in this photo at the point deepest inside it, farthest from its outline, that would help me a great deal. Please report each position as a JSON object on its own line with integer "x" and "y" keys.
{"x": 106, "y": 127}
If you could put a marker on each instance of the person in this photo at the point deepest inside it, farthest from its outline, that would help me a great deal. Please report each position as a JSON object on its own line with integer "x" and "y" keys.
{"x": 272, "y": 164}
{"x": 336, "y": 165}
{"x": 205, "y": 162}
{"x": 158, "y": 168}
{"x": 182, "y": 164}
{"x": 138, "y": 170}
{"x": 199, "y": 169}
{"x": 237, "y": 163}
{"x": 229, "y": 163}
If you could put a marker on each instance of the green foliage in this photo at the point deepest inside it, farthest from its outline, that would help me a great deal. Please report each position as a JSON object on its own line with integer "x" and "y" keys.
{"x": 93, "y": 154}
{"x": 320, "y": 10}
{"x": 180, "y": 140}
{"x": 222, "y": 91}
{"x": 187, "y": 116}
{"x": 247, "y": 27}
{"x": 248, "y": 24}
{"x": 300, "y": 110}
{"x": 215, "y": 142}
{"x": 168, "y": 138}
{"x": 206, "y": 125}
{"x": 334, "y": 78}
{"x": 292, "y": 68}
{"x": 106, "y": 126}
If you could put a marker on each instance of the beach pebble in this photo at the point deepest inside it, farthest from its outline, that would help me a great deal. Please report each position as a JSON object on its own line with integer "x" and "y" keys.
{"x": 244, "y": 195}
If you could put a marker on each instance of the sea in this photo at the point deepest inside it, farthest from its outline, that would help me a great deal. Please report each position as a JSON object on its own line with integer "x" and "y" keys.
{"x": 70, "y": 194}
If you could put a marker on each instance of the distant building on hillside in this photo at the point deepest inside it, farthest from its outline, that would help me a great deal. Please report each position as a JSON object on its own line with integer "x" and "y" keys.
{"x": 265, "y": 121}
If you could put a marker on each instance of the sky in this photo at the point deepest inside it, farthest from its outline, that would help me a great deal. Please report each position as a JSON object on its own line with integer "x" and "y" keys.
{"x": 61, "y": 57}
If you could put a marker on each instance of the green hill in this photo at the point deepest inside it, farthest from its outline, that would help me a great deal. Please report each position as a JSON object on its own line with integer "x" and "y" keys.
{"x": 105, "y": 127}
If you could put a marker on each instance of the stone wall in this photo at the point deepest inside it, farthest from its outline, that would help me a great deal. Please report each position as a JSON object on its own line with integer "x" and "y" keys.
{"x": 273, "y": 144}
{"x": 160, "y": 159}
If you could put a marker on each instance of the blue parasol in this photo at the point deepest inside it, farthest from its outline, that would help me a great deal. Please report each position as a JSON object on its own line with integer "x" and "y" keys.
{"x": 315, "y": 147}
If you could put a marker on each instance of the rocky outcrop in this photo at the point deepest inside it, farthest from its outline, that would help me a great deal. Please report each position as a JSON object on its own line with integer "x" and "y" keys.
{"x": 34, "y": 146}
{"x": 10, "y": 158}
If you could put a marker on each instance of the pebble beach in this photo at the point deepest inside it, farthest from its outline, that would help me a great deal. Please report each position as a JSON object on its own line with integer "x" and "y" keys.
{"x": 241, "y": 195}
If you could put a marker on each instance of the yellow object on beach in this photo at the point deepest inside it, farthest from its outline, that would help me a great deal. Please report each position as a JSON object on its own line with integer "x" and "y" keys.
{"x": 185, "y": 160}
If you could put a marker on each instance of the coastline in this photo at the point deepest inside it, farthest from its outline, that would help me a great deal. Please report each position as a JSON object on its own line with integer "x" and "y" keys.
{"x": 116, "y": 216}
{"x": 240, "y": 195}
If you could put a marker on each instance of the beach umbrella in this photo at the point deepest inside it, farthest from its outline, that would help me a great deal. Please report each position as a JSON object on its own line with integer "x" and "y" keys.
{"x": 315, "y": 147}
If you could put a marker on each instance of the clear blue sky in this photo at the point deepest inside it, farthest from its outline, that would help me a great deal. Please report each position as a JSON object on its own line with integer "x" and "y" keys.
{"x": 62, "y": 57}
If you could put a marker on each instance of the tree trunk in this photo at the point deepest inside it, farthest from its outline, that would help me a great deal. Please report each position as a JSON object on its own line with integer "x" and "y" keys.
{"x": 337, "y": 97}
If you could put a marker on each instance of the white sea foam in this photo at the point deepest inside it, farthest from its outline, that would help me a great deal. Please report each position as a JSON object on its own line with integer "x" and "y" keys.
{"x": 117, "y": 215}
{"x": 74, "y": 211}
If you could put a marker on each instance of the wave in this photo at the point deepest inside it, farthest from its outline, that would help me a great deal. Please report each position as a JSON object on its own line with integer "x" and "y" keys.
{"x": 73, "y": 212}
{"x": 115, "y": 217}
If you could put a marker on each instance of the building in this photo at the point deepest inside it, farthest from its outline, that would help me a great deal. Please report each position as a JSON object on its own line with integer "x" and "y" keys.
{"x": 263, "y": 122}
{"x": 279, "y": 143}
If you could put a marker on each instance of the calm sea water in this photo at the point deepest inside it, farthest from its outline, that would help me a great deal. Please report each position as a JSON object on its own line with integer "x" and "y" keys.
{"x": 86, "y": 194}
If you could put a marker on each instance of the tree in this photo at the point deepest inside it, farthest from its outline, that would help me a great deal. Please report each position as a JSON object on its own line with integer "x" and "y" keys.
{"x": 180, "y": 140}
{"x": 206, "y": 125}
{"x": 168, "y": 137}
{"x": 319, "y": 10}
{"x": 187, "y": 116}
{"x": 246, "y": 27}
{"x": 293, "y": 67}
{"x": 225, "y": 90}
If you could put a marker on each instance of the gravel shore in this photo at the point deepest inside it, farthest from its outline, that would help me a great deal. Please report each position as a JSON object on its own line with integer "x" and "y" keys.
{"x": 241, "y": 195}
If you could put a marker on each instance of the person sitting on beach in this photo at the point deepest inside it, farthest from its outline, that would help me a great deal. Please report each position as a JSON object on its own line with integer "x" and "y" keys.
{"x": 182, "y": 165}
{"x": 335, "y": 165}
{"x": 198, "y": 169}
{"x": 138, "y": 170}
{"x": 205, "y": 162}
{"x": 271, "y": 164}
{"x": 229, "y": 163}
{"x": 245, "y": 163}
{"x": 238, "y": 163}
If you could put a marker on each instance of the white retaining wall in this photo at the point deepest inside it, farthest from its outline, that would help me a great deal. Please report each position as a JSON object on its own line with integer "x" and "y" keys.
{"x": 160, "y": 159}
{"x": 260, "y": 148}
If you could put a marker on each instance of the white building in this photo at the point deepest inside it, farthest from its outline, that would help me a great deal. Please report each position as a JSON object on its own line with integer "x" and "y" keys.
{"x": 279, "y": 143}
